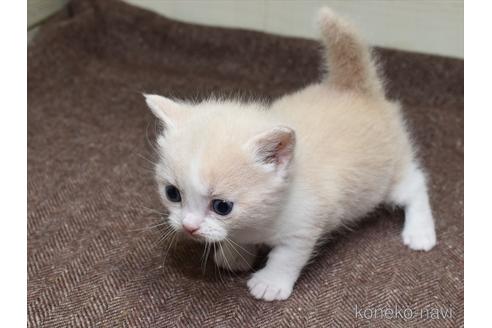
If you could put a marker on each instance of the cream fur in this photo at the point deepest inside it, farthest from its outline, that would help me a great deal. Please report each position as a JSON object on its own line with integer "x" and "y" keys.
{"x": 306, "y": 165}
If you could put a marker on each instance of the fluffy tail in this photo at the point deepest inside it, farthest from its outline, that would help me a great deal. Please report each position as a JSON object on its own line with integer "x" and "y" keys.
{"x": 349, "y": 61}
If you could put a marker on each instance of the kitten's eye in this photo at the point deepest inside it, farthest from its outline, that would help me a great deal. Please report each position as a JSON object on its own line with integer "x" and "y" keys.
{"x": 172, "y": 193}
{"x": 222, "y": 207}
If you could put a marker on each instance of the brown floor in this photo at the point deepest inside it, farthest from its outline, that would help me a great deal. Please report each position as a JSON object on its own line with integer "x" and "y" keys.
{"x": 91, "y": 260}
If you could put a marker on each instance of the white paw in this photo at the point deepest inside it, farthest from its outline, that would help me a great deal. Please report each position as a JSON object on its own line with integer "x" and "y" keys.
{"x": 263, "y": 286}
{"x": 419, "y": 237}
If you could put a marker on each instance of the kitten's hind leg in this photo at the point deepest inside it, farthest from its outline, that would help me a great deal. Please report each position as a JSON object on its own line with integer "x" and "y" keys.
{"x": 232, "y": 256}
{"x": 411, "y": 193}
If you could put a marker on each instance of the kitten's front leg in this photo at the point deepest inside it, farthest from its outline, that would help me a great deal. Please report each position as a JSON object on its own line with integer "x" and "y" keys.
{"x": 285, "y": 262}
{"x": 232, "y": 256}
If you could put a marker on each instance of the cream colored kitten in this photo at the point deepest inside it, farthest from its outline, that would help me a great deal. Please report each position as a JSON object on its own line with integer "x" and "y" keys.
{"x": 240, "y": 174}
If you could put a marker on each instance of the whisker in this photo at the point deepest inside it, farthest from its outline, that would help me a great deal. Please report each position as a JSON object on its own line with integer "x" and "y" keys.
{"x": 203, "y": 257}
{"x": 167, "y": 234}
{"x": 217, "y": 267}
{"x": 176, "y": 243}
{"x": 150, "y": 227}
{"x": 225, "y": 258}
{"x": 238, "y": 253}
{"x": 152, "y": 145}
{"x": 209, "y": 246}
{"x": 147, "y": 169}
{"x": 146, "y": 159}
{"x": 168, "y": 249}
{"x": 152, "y": 210}
{"x": 227, "y": 262}
{"x": 245, "y": 250}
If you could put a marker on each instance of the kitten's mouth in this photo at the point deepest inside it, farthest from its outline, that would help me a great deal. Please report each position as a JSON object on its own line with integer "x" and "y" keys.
{"x": 193, "y": 235}
{"x": 198, "y": 237}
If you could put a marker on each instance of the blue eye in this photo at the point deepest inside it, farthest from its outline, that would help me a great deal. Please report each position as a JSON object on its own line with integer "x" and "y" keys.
{"x": 172, "y": 193}
{"x": 221, "y": 207}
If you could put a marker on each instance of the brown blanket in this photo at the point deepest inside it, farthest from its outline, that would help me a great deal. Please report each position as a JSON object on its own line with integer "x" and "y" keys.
{"x": 93, "y": 258}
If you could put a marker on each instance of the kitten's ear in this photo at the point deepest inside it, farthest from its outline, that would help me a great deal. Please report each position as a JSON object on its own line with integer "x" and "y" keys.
{"x": 165, "y": 109}
{"x": 274, "y": 148}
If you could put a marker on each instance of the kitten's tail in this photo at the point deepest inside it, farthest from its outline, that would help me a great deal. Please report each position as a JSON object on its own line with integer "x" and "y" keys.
{"x": 349, "y": 60}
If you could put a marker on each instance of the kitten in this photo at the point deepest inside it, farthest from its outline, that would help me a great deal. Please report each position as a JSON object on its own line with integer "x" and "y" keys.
{"x": 241, "y": 174}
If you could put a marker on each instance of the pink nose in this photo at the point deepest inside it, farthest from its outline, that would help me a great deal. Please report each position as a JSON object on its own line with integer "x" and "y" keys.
{"x": 190, "y": 228}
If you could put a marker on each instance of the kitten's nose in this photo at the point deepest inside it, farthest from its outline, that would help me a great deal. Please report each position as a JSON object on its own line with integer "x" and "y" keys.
{"x": 191, "y": 228}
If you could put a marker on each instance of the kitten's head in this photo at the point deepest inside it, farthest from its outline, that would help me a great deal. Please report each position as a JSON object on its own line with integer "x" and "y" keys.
{"x": 223, "y": 167}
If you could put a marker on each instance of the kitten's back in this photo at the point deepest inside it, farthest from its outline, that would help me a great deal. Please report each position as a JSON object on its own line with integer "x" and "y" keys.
{"x": 349, "y": 134}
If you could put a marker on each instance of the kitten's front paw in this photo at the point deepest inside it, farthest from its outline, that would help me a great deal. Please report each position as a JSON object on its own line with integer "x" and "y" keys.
{"x": 419, "y": 237}
{"x": 263, "y": 285}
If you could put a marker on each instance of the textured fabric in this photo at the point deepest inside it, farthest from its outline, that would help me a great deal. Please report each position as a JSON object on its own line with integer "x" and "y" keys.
{"x": 94, "y": 259}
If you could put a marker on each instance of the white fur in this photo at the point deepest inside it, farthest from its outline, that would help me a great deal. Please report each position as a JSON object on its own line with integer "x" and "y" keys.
{"x": 313, "y": 161}
{"x": 411, "y": 192}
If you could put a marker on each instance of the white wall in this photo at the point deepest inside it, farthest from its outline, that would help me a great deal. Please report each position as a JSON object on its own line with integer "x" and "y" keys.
{"x": 38, "y": 10}
{"x": 430, "y": 26}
